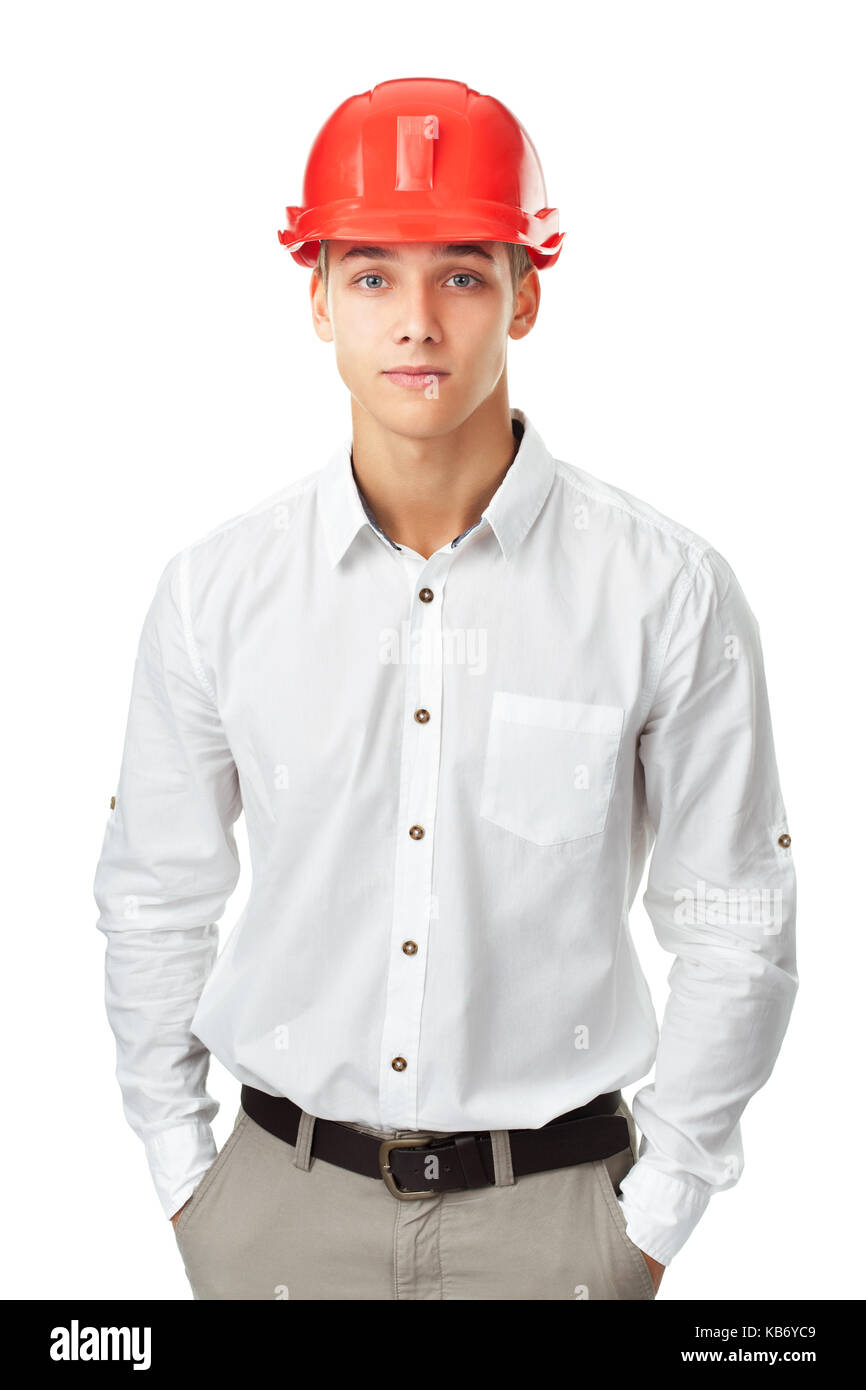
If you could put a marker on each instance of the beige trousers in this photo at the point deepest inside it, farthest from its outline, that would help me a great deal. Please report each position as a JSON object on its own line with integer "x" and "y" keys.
{"x": 268, "y": 1221}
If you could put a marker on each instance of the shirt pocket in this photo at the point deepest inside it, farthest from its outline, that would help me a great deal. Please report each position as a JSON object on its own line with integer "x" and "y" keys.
{"x": 549, "y": 766}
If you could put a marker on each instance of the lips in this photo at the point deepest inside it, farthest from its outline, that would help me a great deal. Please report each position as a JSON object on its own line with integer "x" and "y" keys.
{"x": 415, "y": 376}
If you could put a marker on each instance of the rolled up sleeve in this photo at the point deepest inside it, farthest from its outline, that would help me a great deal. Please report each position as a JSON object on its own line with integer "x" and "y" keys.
{"x": 168, "y": 865}
{"x": 721, "y": 896}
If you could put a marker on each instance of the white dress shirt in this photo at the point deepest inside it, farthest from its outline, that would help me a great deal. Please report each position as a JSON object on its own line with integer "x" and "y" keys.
{"x": 453, "y": 771}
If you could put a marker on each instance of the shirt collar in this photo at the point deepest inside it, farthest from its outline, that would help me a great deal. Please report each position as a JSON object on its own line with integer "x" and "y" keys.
{"x": 510, "y": 512}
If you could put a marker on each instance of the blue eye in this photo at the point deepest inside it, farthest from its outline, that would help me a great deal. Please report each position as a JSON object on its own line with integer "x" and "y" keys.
{"x": 457, "y": 275}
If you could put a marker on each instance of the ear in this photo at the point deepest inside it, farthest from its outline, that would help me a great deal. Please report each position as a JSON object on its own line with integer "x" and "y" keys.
{"x": 527, "y": 302}
{"x": 319, "y": 307}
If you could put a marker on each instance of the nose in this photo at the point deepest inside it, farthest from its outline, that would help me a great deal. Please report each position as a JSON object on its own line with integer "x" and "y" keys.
{"x": 416, "y": 319}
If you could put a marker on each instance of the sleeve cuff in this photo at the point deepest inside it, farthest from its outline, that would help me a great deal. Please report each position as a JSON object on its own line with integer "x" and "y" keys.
{"x": 661, "y": 1211}
{"x": 179, "y": 1158}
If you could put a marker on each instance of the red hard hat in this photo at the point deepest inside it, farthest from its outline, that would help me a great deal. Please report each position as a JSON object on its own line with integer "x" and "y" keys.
{"x": 423, "y": 159}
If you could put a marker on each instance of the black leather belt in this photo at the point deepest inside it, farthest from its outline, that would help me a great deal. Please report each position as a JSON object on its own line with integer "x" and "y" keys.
{"x": 426, "y": 1165}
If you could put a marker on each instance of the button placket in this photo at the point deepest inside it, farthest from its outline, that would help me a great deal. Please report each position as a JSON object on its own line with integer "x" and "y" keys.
{"x": 413, "y": 867}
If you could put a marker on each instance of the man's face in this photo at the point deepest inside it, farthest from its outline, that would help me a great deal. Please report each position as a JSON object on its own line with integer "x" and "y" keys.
{"x": 447, "y": 308}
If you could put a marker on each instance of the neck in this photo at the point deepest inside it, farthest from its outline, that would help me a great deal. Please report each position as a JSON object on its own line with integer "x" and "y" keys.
{"x": 424, "y": 491}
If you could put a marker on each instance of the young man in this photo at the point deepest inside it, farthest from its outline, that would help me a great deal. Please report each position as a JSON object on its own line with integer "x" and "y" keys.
{"x": 461, "y": 689}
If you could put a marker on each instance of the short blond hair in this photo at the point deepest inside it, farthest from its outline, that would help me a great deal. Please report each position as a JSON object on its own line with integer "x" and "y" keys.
{"x": 518, "y": 259}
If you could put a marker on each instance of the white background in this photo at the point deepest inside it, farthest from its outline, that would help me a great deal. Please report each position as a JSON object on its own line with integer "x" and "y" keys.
{"x": 700, "y": 343}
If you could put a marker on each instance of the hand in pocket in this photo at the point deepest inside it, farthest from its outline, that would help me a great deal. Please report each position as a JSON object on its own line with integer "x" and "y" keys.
{"x": 179, "y": 1210}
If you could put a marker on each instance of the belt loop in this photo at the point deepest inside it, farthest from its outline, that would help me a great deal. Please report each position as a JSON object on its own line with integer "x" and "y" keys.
{"x": 625, "y": 1109}
{"x": 502, "y": 1166}
{"x": 304, "y": 1141}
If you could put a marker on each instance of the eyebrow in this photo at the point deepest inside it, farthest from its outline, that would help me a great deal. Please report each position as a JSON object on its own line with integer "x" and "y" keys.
{"x": 451, "y": 248}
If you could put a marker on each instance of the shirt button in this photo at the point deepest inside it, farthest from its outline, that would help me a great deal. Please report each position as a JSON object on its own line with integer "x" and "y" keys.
{"x": 399, "y": 1063}
{"x": 784, "y": 841}
{"x": 422, "y": 716}
{"x": 425, "y": 595}
{"x": 410, "y": 948}
{"x": 112, "y": 804}
{"x": 417, "y": 832}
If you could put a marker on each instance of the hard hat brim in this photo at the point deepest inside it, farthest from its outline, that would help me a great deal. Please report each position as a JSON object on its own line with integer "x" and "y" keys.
{"x": 347, "y": 220}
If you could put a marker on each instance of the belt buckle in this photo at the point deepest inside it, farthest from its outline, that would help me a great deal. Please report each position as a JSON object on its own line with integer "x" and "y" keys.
{"x": 385, "y": 1169}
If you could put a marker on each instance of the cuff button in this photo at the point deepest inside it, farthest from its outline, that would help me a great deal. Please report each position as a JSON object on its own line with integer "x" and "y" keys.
{"x": 784, "y": 841}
